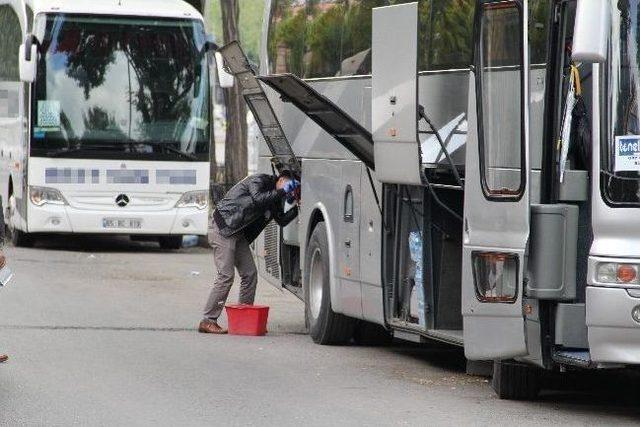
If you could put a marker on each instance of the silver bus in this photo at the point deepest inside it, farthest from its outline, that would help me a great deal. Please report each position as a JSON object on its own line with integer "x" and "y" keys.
{"x": 470, "y": 173}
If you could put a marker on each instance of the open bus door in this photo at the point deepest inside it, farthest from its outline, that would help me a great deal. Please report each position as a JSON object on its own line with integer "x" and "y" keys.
{"x": 497, "y": 204}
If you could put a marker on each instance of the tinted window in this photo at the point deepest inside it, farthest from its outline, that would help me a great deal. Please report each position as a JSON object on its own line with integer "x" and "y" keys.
{"x": 326, "y": 38}
{"x": 446, "y": 30}
{"x": 538, "y": 30}
{"x": 9, "y": 44}
{"x": 286, "y": 44}
{"x": 500, "y": 84}
{"x": 356, "y": 37}
{"x": 323, "y": 37}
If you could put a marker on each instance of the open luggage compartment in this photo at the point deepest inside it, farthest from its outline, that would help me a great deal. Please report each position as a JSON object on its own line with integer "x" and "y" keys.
{"x": 422, "y": 261}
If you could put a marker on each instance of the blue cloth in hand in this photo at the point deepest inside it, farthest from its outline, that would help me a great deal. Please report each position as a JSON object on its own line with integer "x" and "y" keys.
{"x": 291, "y": 186}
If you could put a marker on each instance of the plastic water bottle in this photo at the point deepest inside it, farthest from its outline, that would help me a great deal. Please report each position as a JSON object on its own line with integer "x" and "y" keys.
{"x": 415, "y": 246}
{"x": 415, "y": 251}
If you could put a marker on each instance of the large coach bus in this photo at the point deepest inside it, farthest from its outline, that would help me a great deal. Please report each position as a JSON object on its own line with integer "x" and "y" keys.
{"x": 470, "y": 173}
{"x": 105, "y": 118}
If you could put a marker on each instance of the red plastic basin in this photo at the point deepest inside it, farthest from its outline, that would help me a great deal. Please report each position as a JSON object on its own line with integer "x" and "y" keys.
{"x": 247, "y": 319}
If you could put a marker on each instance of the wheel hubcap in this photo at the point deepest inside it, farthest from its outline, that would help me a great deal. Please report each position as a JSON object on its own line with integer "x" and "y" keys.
{"x": 316, "y": 282}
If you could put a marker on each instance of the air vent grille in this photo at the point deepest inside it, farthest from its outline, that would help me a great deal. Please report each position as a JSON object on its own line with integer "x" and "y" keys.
{"x": 271, "y": 246}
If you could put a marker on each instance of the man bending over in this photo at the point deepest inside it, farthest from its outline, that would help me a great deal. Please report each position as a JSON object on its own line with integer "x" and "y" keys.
{"x": 238, "y": 220}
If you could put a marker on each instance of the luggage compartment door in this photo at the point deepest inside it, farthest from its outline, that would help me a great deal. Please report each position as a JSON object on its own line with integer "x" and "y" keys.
{"x": 497, "y": 205}
{"x": 237, "y": 63}
{"x": 394, "y": 116}
{"x": 347, "y": 131}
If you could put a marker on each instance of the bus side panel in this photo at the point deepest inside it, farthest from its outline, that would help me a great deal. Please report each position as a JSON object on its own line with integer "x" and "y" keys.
{"x": 371, "y": 250}
{"x": 348, "y": 242}
{"x": 320, "y": 182}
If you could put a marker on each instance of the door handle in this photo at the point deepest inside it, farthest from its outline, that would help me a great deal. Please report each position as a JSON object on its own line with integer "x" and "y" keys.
{"x": 347, "y": 243}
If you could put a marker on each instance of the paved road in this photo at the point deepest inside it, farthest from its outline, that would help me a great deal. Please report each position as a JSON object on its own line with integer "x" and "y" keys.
{"x": 102, "y": 332}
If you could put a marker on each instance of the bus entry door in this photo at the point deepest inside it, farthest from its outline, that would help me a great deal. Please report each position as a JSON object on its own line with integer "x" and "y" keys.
{"x": 496, "y": 205}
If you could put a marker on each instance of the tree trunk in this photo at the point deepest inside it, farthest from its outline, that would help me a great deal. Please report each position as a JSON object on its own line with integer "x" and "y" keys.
{"x": 213, "y": 160}
{"x": 236, "y": 140}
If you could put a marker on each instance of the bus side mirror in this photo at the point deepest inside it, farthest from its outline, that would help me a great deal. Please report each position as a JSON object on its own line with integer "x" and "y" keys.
{"x": 29, "y": 59}
{"x": 592, "y": 27}
{"x": 225, "y": 79}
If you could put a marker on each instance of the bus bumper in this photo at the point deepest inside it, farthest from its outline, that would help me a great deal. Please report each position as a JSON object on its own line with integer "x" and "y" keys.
{"x": 66, "y": 219}
{"x": 614, "y": 336}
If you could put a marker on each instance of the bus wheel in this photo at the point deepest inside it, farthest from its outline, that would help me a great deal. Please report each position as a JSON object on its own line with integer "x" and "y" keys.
{"x": 19, "y": 238}
{"x": 170, "y": 242}
{"x": 325, "y": 326}
{"x": 515, "y": 381}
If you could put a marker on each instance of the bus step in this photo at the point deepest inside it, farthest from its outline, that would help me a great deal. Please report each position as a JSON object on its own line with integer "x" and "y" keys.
{"x": 580, "y": 358}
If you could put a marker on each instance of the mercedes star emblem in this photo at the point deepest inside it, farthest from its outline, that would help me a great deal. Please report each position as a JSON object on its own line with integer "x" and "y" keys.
{"x": 122, "y": 200}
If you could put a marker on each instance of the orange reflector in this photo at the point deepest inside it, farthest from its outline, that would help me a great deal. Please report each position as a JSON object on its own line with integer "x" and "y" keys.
{"x": 626, "y": 273}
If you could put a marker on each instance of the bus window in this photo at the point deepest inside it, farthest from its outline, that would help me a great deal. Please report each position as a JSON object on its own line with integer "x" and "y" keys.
{"x": 323, "y": 38}
{"x": 539, "y": 19}
{"x": 500, "y": 102}
{"x": 356, "y": 38}
{"x": 446, "y": 29}
{"x": 446, "y": 33}
{"x": 538, "y": 31}
{"x": 286, "y": 36}
{"x": 9, "y": 72}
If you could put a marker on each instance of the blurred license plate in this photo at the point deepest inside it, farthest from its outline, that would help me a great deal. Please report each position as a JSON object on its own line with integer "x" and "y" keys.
{"x": 121, "y": 223}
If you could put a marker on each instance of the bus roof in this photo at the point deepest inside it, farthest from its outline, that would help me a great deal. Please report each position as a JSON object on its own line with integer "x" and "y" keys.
{"x": 151, "y": 8}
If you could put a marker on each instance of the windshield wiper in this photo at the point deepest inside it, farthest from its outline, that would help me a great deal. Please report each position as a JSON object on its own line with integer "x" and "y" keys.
{"x": 170, "y": 149}
{"x": 65, "y": 151}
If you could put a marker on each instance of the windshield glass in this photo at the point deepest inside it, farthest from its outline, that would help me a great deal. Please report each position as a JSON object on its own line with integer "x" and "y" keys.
{"x": 121, "y": 87}
{"x": 621, "y": 162}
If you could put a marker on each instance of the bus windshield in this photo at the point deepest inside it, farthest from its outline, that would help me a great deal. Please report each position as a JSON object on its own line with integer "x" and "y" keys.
{"x": 621, "y": 164}
{"x": 120, "y": 87}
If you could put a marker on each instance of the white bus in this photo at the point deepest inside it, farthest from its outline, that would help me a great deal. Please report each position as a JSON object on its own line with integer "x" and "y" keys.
{"x": 105, "y": 118}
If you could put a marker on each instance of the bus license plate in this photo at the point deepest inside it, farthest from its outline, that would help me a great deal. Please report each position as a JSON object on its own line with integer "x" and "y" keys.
{"x": 122, "y": 223}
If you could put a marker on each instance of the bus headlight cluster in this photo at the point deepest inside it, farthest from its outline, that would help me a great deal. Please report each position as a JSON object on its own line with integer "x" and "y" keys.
{"x": 613, "y": 272}
{"x": 44, "y": 195}
{"x": 194, "y": 199}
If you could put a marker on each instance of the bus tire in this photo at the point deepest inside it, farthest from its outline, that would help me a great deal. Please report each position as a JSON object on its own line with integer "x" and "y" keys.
{"x": 325, "y": 326}
{"x": 19, "y": 238}
{"x": 170, "y": 242}
{"x": 515, "y": 381}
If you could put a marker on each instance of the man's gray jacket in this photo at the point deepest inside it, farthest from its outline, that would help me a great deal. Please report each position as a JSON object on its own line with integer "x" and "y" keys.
{"x": 250, "y": 205}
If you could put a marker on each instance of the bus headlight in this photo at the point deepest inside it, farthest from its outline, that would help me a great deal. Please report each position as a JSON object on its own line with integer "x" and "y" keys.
{"x": 44, "y": 195}
{"x": 194, "y": 199}
{"x": 612, "y": 272}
